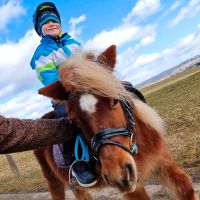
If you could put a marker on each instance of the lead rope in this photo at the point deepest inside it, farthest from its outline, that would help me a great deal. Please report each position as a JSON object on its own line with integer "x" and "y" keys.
{"x": 80, "y": 141}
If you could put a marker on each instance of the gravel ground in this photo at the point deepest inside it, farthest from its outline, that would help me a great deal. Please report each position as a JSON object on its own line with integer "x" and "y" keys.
{"x": 156, "y": 192}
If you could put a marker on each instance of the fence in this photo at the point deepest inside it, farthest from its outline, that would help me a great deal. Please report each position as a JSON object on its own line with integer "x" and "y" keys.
{"x": 13, "y": 165}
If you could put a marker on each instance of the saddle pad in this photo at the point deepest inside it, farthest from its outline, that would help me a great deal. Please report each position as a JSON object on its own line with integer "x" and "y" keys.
{"x": 60, "y": 160}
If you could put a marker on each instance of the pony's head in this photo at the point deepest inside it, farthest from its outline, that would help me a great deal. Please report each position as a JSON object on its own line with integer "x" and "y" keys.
{"x": 93, "y": 96}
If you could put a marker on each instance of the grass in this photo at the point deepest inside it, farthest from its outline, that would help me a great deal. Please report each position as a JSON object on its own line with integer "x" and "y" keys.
{"x": 31, "y": 178}
{"x": 168, "y": 81}
{"x": 177, "y": 100}
{"x": 179, "y": 105}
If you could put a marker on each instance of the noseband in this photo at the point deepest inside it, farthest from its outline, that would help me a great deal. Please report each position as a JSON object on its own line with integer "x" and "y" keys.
{"x": 103, "y": 137}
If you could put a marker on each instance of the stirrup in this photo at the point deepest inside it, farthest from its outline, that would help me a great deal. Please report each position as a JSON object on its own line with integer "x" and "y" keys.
{"x": 72, "y": 180}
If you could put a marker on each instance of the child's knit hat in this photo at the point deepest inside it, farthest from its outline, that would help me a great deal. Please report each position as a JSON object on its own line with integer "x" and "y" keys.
{"x": 45, "y": 11}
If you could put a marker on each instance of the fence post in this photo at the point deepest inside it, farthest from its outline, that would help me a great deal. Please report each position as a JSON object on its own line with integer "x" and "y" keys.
{"x": 13, "y": 166}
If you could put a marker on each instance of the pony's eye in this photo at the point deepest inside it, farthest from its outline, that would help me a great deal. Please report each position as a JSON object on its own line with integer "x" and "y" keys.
{"x": 114, "y": 103}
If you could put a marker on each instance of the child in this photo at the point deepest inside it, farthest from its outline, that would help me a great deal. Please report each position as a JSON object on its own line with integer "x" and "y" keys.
{"x": 54, "y": 49}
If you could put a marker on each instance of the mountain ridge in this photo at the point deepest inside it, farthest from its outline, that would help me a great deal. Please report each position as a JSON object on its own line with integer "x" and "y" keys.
{"x": 187, "y": 64}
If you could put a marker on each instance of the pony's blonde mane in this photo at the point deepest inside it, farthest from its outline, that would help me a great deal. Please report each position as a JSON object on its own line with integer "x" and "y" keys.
{"x": 81, "y": 74}
{"x": 149, "y": 116}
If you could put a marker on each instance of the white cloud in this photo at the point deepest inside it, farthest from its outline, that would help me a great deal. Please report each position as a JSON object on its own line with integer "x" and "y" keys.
{"x": 10, "y": 11}
{"x": 74, "y": 31}
{"x": 142, "y": 10}
{"x": 27, "y": 104}
{"x": 187, "y": 12}
{"x": 118, "y": 35}
{"x": 124, "y": 34}
{"x": 15, "y": 58}
{"x": 186, "y": 40}
{"x": 168, "y": 11}
{"x": 139, "y": 68}
{"x": 75, "y": 21}
{"x": 145, "y": 41}
{"x": 129, "y": 31}
{"x": 175, "y": 5}
{"x": 148, "y": 40}
{"x": 146, "y": 59}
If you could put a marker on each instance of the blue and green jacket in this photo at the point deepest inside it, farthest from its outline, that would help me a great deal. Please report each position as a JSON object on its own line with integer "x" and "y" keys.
{"x": 50, "y": 54}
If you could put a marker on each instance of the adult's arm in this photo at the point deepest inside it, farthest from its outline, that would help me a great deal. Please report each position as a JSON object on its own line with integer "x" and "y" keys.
{"x": 27, "y": 134}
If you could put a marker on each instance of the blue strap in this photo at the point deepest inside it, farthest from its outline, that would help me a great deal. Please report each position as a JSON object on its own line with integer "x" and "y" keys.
{"x": 81, "y": 142}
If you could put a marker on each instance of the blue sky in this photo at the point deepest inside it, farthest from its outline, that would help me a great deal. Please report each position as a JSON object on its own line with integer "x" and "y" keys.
{"x": 151, "y": 36}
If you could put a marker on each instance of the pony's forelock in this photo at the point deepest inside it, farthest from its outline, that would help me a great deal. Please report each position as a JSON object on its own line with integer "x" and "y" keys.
{"x": 79, "y": 73}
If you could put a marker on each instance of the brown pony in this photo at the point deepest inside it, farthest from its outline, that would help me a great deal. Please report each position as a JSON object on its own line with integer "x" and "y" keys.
{"x": 94, "y": 99}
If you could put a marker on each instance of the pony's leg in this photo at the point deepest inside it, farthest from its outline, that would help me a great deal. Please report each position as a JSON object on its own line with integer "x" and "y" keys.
{"x": 178, "y": 181}
{"x": 56, "y": 187}
{"x": 138, "y": 194}
{"x": 81, "y": 193}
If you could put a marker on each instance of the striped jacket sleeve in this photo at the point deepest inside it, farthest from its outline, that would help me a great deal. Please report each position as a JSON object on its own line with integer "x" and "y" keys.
{"x": 45, "y": 67}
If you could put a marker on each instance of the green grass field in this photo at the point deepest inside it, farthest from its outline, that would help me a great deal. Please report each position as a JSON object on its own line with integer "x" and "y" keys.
{"x": 179, "y": 105}
{"x": 177, "y": 100}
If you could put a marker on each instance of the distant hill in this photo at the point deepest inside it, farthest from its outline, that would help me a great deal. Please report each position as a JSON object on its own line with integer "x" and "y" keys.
{"x": 192, "y": 62}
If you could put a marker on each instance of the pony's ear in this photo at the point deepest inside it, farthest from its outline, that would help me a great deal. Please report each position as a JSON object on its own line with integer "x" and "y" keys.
{"x": 55, "y": 91}
{"x": 108, "y": 57}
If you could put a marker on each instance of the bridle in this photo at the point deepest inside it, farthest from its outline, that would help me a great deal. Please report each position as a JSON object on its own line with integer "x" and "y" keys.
{"x": 104, "y": 137}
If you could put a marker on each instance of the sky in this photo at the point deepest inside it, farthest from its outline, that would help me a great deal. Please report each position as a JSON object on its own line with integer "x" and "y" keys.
{"x": 151, "y": 36}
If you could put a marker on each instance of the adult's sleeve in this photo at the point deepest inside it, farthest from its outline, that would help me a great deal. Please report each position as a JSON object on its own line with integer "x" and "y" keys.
{"x": 26, "y": 134}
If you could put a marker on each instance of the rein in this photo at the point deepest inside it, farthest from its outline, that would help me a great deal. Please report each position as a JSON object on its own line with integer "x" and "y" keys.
{"x": 103, "y": 137}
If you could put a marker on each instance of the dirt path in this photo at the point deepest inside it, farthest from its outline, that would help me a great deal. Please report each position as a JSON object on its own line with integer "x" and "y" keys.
{"x": 156, "y": 192}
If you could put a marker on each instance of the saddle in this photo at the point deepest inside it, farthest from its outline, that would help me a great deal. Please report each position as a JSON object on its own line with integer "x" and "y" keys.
{"x": 136, "y": 93}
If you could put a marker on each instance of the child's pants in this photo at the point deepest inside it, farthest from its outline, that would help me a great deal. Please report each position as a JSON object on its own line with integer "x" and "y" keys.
{"x": 62, "y": 153}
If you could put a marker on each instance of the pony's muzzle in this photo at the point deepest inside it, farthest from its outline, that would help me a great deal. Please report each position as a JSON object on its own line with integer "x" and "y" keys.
{"x": 125, "y": 178}
{"x": 129, "y": 178}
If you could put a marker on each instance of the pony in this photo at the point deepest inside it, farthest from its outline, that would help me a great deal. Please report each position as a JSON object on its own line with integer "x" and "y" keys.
{"x": 124, "y": 134}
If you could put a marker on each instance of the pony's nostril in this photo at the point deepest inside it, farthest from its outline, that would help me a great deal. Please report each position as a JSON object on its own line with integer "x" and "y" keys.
{"x": 130, "y": 171}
